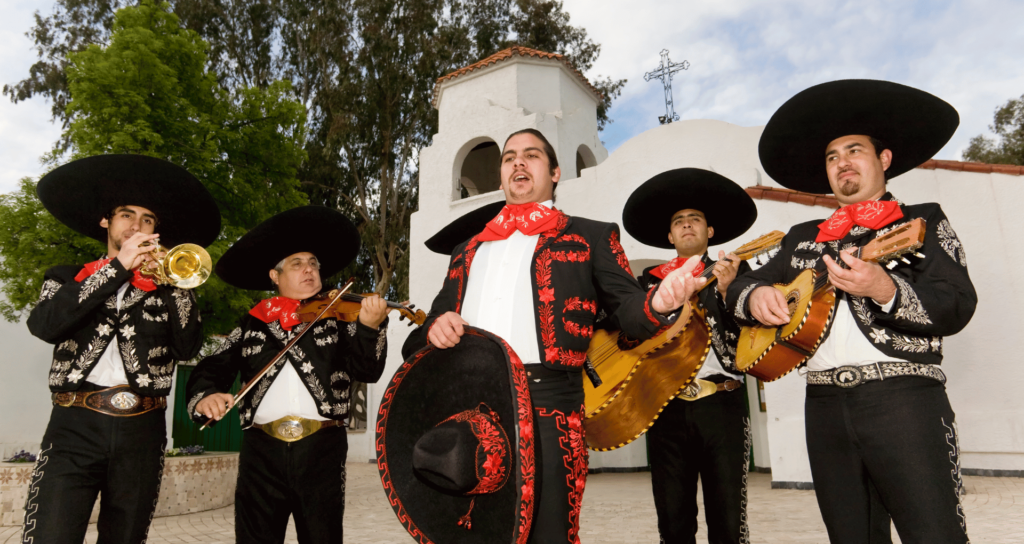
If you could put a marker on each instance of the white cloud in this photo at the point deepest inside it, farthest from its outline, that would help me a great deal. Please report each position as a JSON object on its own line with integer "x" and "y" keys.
{"x": 748, "y": 57}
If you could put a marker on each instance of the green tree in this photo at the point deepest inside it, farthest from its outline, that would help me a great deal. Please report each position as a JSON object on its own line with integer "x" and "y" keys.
{"x": 1008, "y": 125}
{"x": 149, "y": 92}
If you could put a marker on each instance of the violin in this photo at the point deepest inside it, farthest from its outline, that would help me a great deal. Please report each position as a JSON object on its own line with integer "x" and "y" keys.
{"x": 347, "y": 307}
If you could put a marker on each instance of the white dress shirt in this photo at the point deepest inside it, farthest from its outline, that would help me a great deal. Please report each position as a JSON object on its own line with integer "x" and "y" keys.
{"x": 713, "y": 366}
{"x": 109, "y": 370}
{"x": 846, "y": 345}
{"x": 287, "y": 396}
{"x": 499, "y": 292}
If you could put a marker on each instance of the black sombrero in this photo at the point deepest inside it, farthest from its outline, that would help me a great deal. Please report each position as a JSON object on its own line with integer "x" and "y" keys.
{"x": 463, "y": 228}
{"x": 912, "y": 123}
{"x": 455, "y": 443}
{"x": 324, "y": 232}
{"x": 81, "y": 192}
{"x": 726, "y": 206}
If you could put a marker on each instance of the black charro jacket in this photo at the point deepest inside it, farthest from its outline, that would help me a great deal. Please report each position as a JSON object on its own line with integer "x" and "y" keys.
{"x": 934, "y": 294}
{"x": 724, "y": 329}
{"x": 579, "y": 272}
{"x": 152, "y": 329}
{"x": 327, "y": 358}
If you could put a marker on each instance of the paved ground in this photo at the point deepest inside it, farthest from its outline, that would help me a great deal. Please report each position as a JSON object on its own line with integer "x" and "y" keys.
{"x": 617, "y": 508}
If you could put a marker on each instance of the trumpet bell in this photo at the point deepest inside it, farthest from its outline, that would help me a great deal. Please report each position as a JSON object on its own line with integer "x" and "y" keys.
{"x": 187, "y": 266}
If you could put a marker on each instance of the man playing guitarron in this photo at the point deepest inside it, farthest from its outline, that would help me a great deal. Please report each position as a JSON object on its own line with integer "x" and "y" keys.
{"x": 881, "y": 435}
{"x": 697, "y": 434}
{"x": 537, "y": 278}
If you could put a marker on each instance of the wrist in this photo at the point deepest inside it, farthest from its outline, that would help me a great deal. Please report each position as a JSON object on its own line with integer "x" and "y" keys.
{"x": 886, "y": 294}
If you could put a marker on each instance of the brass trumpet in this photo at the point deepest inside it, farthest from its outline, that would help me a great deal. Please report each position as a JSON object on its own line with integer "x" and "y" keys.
{"x": 185, "y": 266}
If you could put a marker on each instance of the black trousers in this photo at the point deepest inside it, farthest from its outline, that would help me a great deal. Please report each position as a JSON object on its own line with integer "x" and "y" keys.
{"x": 888, "y": 444}
{"x": 709, "y": 438}
{"x": 85, "y": 453}
{"x": 560, "y": 454}
{"x": 304, "y": 479}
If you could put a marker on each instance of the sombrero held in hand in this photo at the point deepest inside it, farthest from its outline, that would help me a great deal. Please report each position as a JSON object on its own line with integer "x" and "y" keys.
{"x": 912, "y": 123}
{"x": 455, "y": 445}
{"x": 80, "y": 193}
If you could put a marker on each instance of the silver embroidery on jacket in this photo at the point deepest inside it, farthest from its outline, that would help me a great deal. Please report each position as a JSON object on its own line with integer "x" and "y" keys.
{"x": 194, "y": 401}
{"x": 155, "y": 318}
{"x": 49, "y": 289}
{"x": 816, "y": 247}
{"x": 95, "y": 281}
{"x": 857, "y": 230}
{"x": 158, "y": 351}
{"x": 352, "y": 328}
{"x": 132, "y": 299}
{"x": 910, "y": 307}
{"x": 183, "y": 300}
{"x": 803, "y": 264}
{"x": 951, "y": 244}
{"x": 326, "y": 341}
{"x": 860, "y": 309}
{"x": 131, "y": 361}
{"x": 912, "y": 344}
{"x": 154, "y": 301}
{"x": 382, "y": 338}
{"x": 741, "y": 300}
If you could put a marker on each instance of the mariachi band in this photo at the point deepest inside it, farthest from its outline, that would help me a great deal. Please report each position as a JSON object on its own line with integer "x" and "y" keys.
{"x": 540, "y": 343}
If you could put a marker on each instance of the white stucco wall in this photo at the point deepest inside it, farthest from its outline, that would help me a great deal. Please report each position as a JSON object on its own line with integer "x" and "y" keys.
{"x": 24, "y": 391}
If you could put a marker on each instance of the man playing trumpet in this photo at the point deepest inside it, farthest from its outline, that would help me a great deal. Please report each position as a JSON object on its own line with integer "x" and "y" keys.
{"x": 117, "y": 335}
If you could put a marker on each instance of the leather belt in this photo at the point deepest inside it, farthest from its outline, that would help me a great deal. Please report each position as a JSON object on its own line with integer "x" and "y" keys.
{"x": 698, "y": 389}
{"x": 852, "y": 376}
{"x": 118, "y": 401}
{"x": 293, "y": 428}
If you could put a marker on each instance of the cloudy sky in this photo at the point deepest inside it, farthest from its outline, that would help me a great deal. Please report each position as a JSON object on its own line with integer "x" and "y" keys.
{"x": 747, "y": 57}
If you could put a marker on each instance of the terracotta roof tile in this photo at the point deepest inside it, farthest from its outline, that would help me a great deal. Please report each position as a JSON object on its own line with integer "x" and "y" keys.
{"x": 506, "y": 54}
{"x": 763, "y": 192}
{"x": 976, "y": 167}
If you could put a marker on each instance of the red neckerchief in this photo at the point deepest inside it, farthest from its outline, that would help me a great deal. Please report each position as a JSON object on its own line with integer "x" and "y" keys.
{"x": 664, "y": 270}
{"x": 140, "y": 281}
{"x": 531, "y": 218}
{"x": 279, "y": 308}
{"x": 872, "y": 214}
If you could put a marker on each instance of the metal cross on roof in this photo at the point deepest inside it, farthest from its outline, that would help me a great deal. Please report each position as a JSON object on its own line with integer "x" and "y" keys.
{"x": 664, "y": 73}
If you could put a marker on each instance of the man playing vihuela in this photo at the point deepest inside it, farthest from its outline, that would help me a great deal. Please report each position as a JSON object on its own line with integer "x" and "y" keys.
{"x": 538, "y": 278}
{"x": 118, "y": 335}
{"x": 294, "y": 442}
{"x": 881, "y": 435}
{"x": 705, "y": 431}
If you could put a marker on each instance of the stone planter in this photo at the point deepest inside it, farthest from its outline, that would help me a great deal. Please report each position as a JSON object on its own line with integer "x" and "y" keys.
{"x": 190, "y": 484}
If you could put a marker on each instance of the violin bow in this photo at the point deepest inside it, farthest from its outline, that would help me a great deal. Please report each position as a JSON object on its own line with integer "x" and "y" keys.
{"x": 251, "y": 383}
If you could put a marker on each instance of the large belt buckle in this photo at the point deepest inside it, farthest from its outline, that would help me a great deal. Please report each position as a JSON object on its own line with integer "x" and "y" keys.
{"x": 58, "y": 398}
{"x": 292, "y": 428}
{"x": 847, "y": 376}
{"x": 124, "y": 400}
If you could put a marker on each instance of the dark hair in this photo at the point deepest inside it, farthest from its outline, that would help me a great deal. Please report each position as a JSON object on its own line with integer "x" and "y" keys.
{"x": 879, "y": 146}
{"x": 110, "y": 214}
{"x": 548, "y": 150}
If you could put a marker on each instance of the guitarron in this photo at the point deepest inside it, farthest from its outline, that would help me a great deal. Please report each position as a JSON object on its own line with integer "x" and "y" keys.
{"x": 638, "y": 382}
{"x": 770, "y": 353}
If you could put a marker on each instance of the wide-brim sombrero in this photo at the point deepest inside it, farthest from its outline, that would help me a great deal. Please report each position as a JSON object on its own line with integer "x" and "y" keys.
{"x": 726, "y": 206}
{"x": 913, "y": 124}
{"x": 325, "y": 232}
{"x": 428, "y": 389}
{"x": 469, "y": 225}
{"x": 80, "y": 193}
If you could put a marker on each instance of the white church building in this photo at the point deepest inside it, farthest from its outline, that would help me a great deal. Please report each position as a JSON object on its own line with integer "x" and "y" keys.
{"x": 480, "y": 105}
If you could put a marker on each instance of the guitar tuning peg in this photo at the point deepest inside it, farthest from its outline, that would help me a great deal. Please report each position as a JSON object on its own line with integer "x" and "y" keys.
{"x": 919, "y": 255}
{"x": 891, "y": 264}
{"x": 904, "y": 259}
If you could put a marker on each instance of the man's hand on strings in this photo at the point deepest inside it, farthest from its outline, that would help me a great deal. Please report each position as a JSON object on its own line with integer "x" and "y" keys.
{"x": 215, "y": 405}
{"x": 768, "y": 305}
{"x": 446, "y": 330}
{"x": 677, "y": 288}
{"x": 725, "y": 270}
{"x": 862, "y": 279}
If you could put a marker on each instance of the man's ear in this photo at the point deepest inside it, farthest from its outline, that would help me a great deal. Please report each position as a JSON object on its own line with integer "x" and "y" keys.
{"x": 273, "y": 276}
{"x": 556, "y": 175}
{"x": 711, "y": 232}
{"x": 886, "y": 157}
{"x": 104, "y": 223}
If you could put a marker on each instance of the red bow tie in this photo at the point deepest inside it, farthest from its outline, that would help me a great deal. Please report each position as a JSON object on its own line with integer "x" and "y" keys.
{"x": 140, "y": 281}
{"x": 872, "y": 214}
{"x": 668, "y": 267}
{"x": 530, "y": 219}
{"x": 279, "y": 308}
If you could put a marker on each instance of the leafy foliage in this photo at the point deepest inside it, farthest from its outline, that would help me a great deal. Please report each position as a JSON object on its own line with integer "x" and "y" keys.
{"x": 363, "y": 70}
{"x": 1008, "y": 125}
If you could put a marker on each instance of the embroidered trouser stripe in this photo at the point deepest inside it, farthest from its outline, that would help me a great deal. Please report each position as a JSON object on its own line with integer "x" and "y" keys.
{"x": 89, "y": 453}
{"x": 277, "y": 479}
{"x": 885, "y": 447}
{"x": 709, "y": 439}
{"x": 561, "y": 455}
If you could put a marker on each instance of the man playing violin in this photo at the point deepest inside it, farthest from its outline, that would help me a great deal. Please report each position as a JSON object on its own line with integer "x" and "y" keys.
{"x": 118, "y": 335}
{"x": 705, "y": 431}
{"x": 881, "y": 435}
{"x": 294, "y": 444}
{"x": 538, "y": 279}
